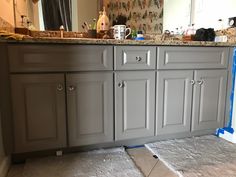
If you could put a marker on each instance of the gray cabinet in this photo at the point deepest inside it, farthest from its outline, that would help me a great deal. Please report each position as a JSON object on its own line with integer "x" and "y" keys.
{"x": 134, "y": 57}
{"x": 90, "y": 108}
{"x": 209, "y": 99}
{"x": 174, "y": 98}
{"x": 192, "y": 57}
{"x": 190, "y": 96}
{"x": 41, "y": 58}
{"x": 39, "y": 112}
{"x": 134, "y": 104}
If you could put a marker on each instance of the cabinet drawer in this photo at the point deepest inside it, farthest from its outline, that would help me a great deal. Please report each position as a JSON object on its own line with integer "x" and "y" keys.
{"x": 192, "y": 57}
{"x": 30, "y": 58}
{"x": 135, "y": 57}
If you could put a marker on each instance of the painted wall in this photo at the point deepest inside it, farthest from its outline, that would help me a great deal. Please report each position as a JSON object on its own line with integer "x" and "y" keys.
{"x": 87, "y": 11}
{"x": 204, "y": 14}
{"x": 7, "y": 11}
{"x": 176, "y": 14}
{"x": 207, "y": 13}
{"x": 27, "y": 8}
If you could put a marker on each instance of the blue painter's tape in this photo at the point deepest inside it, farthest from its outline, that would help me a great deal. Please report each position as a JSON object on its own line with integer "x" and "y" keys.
{"x": 220, "y": 131}
{"x": 229, "y": 129}
{"x": 232, "y": 89}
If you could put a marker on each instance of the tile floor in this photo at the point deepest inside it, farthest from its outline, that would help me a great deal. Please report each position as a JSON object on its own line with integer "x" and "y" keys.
{"x": 150, "y": 166}
{"x": 147, "y": 164}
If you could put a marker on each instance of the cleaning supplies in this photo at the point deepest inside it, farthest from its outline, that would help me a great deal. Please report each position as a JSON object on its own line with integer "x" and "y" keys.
{"x": 139, "y": 36}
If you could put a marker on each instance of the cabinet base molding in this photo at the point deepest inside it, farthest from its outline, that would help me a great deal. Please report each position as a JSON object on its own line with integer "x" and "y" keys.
{"x": 5, "y": 166}
{"x": 21, "y": 157}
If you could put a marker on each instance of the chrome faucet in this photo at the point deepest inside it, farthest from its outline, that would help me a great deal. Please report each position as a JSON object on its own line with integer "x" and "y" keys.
{"x": 62, "y": 29}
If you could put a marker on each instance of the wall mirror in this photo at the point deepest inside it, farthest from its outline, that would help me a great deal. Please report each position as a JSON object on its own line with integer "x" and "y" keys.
{"x": 50, "y": 14}
{"x": 148, "y": 15}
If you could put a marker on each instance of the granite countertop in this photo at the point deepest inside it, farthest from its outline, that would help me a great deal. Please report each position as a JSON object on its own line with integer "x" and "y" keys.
{"x": 87, "y": 41}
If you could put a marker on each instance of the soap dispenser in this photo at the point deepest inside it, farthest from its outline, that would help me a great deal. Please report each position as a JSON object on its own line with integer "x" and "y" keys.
{"x": 103, "y": 22}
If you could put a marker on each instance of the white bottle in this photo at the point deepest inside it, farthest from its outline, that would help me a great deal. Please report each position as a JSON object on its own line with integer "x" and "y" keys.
{"x": 99, "y": 22}
{"x": 103, "y": 22}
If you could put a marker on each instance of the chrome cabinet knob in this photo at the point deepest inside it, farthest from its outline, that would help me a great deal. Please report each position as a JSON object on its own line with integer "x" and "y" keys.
{"x": 200, "y": 82}
{"x": 60, "y": 87}
{"x": 121, "y": 85}
{"x": 192, "y": 82}
{"x": 138, "y": 58}
{"x": 71, "y": 88}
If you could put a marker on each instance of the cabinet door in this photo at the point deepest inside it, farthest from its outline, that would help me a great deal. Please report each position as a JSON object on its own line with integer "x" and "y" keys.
{"x": 39, "y": 111}
{"x": 174, "y": 97}
{"x": 134, "y": 100}
{"x": 90, "y": 108}
{"x": 209, "y": 99}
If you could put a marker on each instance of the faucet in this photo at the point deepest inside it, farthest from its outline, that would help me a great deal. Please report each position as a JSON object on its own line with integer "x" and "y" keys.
{"x": 62, "y": 31}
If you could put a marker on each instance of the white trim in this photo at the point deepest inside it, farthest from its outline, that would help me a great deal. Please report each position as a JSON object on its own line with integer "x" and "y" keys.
{"x": 5, "y": 166}
{"x": 41, "y": 21}
{"x": 75, "y": 25}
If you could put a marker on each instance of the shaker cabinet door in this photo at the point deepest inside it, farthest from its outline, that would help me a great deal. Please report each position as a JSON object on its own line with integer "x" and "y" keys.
{"x": 135, "y": 103}
{"x": 209, "y": 99}
{"x": 90, "y": 108}
{"x": 39, "y": 112}
{"x": 174, "y": 98}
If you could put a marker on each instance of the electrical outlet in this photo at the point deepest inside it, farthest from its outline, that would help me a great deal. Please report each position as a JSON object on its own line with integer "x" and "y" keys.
{"x": 59, "y": 153}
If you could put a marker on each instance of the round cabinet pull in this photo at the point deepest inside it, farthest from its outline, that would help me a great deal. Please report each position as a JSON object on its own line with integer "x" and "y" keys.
{"x": 200, "y": 82}
{"x": 60, "y": 87}
{"x": 121, "y": 85}
{"x": 192, "y": 82}
{"x": 138, "y": 58}
{"x": 71, "y": 88}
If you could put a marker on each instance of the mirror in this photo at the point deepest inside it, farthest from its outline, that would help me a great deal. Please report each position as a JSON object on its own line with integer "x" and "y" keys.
{"x": 151, "y": 16}
{"x": 41, "y": 12}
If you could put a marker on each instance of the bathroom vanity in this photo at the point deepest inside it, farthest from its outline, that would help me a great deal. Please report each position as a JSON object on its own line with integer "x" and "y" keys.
{"x": 106, "y": 94}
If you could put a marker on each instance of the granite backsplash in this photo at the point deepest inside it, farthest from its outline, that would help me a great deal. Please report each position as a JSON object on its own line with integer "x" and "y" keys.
{"x": 5, "y": 26}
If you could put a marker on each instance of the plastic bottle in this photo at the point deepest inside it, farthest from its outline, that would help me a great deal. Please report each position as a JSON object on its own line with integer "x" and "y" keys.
{"x": 103, "y": 22}
{"x": 99, "y": 22}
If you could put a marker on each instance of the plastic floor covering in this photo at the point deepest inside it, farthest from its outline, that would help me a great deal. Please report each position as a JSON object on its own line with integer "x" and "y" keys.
{"x": 100, "y": 163}
{"x": 205, "y": 156}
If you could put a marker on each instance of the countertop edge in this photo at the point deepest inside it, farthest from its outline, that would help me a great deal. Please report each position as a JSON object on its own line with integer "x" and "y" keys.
{"x": 86, "y": 41}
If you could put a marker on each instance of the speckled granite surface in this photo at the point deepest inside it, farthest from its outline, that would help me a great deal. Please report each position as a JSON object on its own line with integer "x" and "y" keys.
{"x": 4, "y": 25}
{"x": 116, "y": 42}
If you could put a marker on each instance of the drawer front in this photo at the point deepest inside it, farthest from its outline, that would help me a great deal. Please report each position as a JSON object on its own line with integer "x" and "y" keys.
{"x": 135, "y": 57}
{"x": 192, "y": 57}
{"x": 30, "y": 58}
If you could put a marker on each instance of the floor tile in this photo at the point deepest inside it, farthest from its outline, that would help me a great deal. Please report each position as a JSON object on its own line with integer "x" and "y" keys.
{"x": 161, "y": 170}
{"x": 16, "y": 171}
{"x": 149, "y": 166}
{"x": 143, "y": 159}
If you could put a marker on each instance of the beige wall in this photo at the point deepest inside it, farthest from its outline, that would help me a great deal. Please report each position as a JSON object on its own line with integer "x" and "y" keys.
{"x": 20, "y": 9}
{"x": 6, "y": 11}
{"x": 87, "y": 10}
{"x": 176, "y": 14}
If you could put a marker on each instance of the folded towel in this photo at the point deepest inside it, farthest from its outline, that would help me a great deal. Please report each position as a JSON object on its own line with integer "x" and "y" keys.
{"x": 7, "y": 35}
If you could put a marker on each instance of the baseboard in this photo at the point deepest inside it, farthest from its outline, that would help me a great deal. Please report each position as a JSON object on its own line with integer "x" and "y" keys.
{"x": 4, "y": 166}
